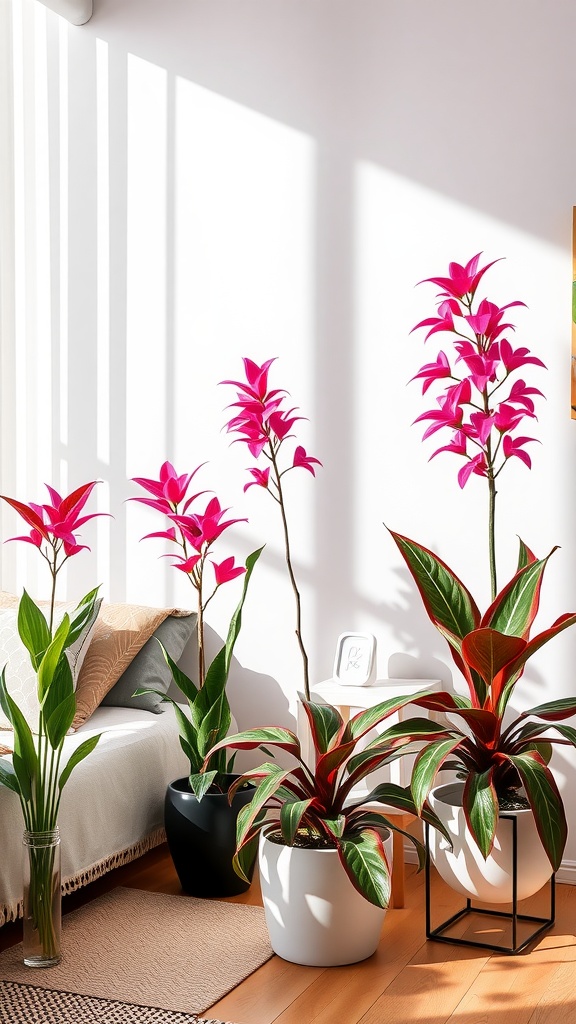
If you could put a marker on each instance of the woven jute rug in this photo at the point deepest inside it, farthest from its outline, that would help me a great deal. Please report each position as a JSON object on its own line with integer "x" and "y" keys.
{"x": 25, "y": 1004}
{"x": 174, "y": 953}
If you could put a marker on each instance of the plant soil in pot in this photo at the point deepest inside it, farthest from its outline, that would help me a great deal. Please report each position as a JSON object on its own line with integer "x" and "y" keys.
{"x": 314, "y": 914}
{"x": 464, "y": 868}
{"x": 201, "y": 838}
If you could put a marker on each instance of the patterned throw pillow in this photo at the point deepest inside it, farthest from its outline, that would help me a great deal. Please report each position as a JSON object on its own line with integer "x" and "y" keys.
{"x": 149, "y": 669}
{"x": 121, "y": 632}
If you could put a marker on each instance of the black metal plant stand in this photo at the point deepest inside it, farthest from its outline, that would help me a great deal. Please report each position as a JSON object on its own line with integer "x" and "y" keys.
{"x": 438, "y": 934}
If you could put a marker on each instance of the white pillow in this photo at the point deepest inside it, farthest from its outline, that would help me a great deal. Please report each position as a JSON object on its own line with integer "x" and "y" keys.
{"x": 21, "y": 679}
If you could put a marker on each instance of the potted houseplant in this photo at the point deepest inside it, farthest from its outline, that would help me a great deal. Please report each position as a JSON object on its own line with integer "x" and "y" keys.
{"x": 322, "y": 852}
{"x": 200, "y": 823}
{"x": 36, "y": 773}
{"x": 502, "y": 765}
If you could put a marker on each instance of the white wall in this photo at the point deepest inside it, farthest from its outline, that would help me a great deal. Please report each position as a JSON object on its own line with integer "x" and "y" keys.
{"x": 198, "y": 181}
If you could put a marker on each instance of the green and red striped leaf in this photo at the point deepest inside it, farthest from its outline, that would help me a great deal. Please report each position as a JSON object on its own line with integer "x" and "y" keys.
{"x": 515, "y": 668}
{"x": 426, "y": 767}
{"x": 480, "y": 804}
{"x": 326, "y": 725}
{"x": 514, "y": 609}
{"x": 364, "y": 859}
{"x": 447, "y": 601}
{"x": 291, "y": 814}
{"x": 546, "y": 803}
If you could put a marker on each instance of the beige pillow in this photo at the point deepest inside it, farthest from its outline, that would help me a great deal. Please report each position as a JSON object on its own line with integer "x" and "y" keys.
{"x": 121, "y": 632}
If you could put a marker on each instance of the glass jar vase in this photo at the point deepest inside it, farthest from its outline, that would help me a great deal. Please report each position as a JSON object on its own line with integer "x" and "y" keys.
{"x": 42, "y": 899}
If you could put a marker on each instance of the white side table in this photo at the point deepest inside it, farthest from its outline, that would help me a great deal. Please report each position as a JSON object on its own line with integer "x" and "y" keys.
{"x": 348, "y": 700}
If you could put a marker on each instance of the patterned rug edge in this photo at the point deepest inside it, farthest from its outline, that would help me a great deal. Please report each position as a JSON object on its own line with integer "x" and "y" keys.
{"x": 35, "y": 1000}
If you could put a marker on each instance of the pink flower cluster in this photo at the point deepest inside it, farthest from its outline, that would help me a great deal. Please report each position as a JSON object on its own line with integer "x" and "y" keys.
{"x": 57, "y": 523}
{"x": 263, "y": 425}
{"x": 480, "y": 405}
{"x": 194, "y": 532}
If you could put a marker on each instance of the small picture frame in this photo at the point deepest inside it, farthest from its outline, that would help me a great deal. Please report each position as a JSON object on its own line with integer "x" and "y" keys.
{"x": 355, "y": 661}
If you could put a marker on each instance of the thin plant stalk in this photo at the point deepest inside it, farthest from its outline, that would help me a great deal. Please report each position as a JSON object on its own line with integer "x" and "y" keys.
{"x": 292, "y": 577}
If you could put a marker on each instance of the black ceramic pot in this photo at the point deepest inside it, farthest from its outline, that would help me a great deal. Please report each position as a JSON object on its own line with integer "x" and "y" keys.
{"x": 202, "y": 838}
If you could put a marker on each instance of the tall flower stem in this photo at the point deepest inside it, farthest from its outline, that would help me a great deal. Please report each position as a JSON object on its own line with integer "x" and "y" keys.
{"x": 291, "y": 575}
{"x": 492, "y": 533}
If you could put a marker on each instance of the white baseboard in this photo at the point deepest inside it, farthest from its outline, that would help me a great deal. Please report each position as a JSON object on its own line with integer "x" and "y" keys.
{"x": 566, "y": 873}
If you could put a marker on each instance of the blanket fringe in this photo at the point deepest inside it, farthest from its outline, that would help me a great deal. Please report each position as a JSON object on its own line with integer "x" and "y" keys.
{"x": 11, "y": 912}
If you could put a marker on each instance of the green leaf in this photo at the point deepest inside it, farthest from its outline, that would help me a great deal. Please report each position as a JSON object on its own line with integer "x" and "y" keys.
{"x": 291, "y": 814}
{"x": 546, "y": 803}
{"x": 8, "y": 777}
{"x": 364, "y": 860}
{"x": 365, "y": 721}
{"x": 250, "y": 739}
{"x": 243, "y": 860}
{"x": 59, "y": 722}
{"x": 213, "y": 728}
{"x": 78, "y": 755}
{"x": 236, "y": 620}
{"x": 61, "y": 689}
{"x": 200, "y": 783}
{"x": 515, "y": 669}
{"x": 514, "y": 609}
{"x": 50, "y": 660}
{"x": 447, "y": 601}
{"x": 525, "y": 556}
{"x": 371, "y": 818}
{"x": 188, "y": 688}
{"x": 481, "y": 809}
{"x": 81, "y": 616}
{"x": 426, "y": 766}
{"x": 217, "y": 674}
{"x": 392, "y": 795}
{"x": 263, "y": 792}
{"x": 32, "y": 629}
{"x": 374, "y": 757}
{"x": 326, "y": 724}
{"x": 553, "y": 710}
{"x": 24, "y": 758}
{"x": 336, "y": 826}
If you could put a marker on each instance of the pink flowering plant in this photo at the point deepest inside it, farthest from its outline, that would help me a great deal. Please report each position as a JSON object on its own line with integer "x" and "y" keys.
{"x": 264, "y": 423}
{"x": 193, "y": 530}
{"x": 484, "y": 406}
{"x": 35, "y": 773}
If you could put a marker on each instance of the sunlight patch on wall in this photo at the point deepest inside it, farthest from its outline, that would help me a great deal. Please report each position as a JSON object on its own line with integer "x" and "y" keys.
{"x": 245, "y": 278}
{"x": 245, "y": 190}
{"x": 244, "y": 253}
{"x": 146, "y": 333}
{"x": 62, "y": 341}
{"x": 103, "y": 253}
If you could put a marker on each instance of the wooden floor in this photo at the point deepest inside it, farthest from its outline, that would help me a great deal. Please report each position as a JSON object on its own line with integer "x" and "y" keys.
{"x": 408, "y": 980}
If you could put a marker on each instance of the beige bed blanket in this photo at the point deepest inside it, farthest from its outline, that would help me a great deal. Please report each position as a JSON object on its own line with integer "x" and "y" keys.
{"x": 112, "y": 807}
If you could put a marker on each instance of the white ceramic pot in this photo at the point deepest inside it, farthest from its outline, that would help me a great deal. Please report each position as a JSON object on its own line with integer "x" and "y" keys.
{"x": 314, "y": 914}
{"x": 464, "y": 867}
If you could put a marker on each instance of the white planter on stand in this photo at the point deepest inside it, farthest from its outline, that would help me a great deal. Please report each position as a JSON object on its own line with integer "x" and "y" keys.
{"x": 465, "y": 869}
{"x": 314, "y": 914}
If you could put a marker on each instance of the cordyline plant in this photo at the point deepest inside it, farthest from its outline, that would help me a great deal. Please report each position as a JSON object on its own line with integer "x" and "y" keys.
{"x": 490, "y": 649}
{"x": 193, "y": 534}
{"x": 35, "y": 773}
{"x": 313, "y": 806}
{"x": 264, "y": 424}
